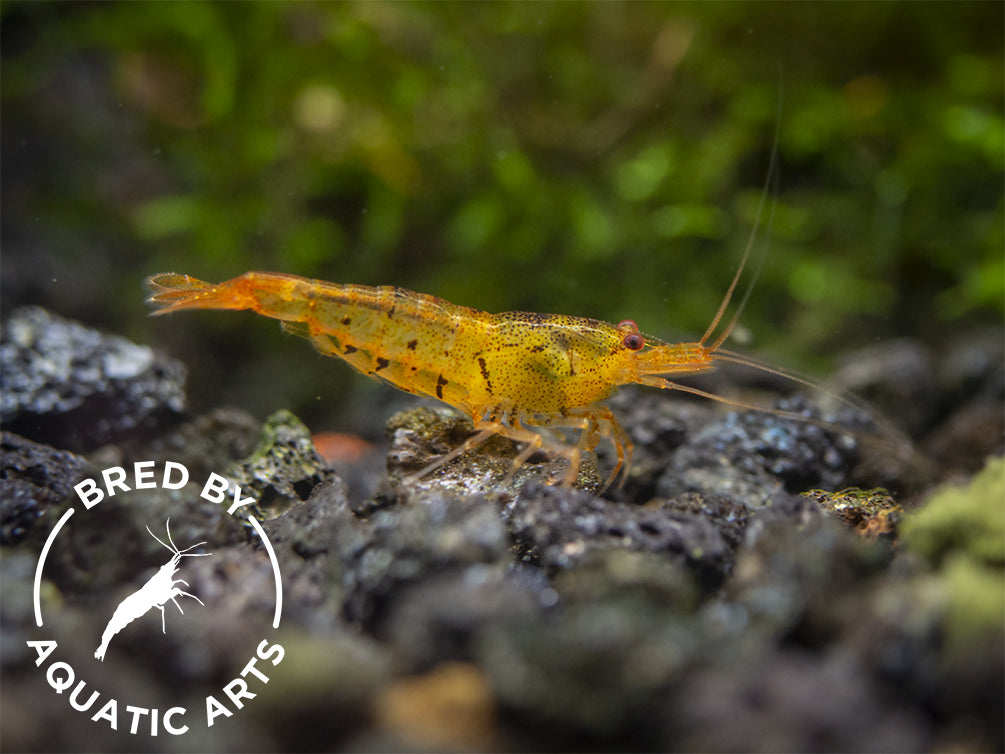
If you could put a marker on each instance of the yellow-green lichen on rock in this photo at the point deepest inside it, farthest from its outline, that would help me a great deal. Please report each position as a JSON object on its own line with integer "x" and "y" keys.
{"x": 969, "y": 519}
{"x": 961, "y": 532}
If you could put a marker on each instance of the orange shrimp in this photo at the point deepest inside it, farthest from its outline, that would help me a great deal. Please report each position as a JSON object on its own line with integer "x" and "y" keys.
{"x": 513, "y": 373}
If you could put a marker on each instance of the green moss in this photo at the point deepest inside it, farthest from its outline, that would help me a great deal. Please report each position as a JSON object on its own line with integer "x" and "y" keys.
{"x": 975, "y": 610}
{"x": 962, "y": 532}
{"x": 963, "y": 519}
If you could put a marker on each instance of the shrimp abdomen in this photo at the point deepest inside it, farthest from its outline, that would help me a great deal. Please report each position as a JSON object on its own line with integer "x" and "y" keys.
{"x": 402, "y": 337}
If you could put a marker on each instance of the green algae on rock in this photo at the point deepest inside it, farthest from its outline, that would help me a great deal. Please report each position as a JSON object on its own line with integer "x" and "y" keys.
{"x": 968, "y": 519}
{"x": 961, "y": 531}
{"x": 284, "y": 466}
{"x": 870, "y": 513}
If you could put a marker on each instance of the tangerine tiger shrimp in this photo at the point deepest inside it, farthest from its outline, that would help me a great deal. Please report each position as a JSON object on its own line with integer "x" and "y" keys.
{"x": 515, "y": 374}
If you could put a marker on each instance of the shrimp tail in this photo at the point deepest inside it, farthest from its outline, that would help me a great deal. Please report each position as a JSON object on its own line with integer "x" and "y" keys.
{"x": 171, "y": 292}
{"x": 269, "y": 293}
{"x": 125, "y": 613}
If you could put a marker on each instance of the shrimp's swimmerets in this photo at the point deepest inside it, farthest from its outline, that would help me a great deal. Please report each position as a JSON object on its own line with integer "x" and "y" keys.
{"x": 513, "y": 373}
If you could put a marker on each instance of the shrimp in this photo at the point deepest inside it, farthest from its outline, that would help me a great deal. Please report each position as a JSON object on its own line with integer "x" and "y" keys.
{"x": 515, "y": 374}
{"x": 154, "y": 593}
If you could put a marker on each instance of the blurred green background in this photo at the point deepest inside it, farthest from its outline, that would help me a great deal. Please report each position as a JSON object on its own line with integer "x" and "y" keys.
{"x": 598, "y": 159}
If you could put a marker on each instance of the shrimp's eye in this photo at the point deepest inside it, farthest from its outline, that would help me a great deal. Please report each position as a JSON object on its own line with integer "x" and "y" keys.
{"x": 633, "y": 341}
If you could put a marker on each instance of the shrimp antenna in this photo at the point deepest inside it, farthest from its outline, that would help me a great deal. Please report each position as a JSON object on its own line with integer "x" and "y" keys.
{"x": 172, "y": 548}
{"x": 770, "y": 179}
{"x": 167, "y": 525}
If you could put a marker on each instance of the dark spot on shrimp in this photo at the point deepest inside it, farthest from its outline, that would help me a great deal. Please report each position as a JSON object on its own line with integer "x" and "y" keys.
{"x": 440, "y": 383}
{"x": 485, "y": 373}
{"x": 538, "y": 348}
{"x": 351, "y": 349}
{"x": 382, "y": 363}
{"x": 346, "y": 321}
{"x": 412, "y": 344}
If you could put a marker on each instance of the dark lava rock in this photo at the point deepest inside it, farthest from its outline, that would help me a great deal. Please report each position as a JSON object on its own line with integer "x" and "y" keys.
{"x": 790, "y": 701}
{"x": 796, "y": 569}
{"x": 704, "y": 607}
{"x": 432, "y": 534}
{"x": 753, "y": 456}
{"x": 284, "y": 465}
{"x": 318, "y": 526}
{"x": 972, "y": 427}
{"x": 72, "y": 387}
{"x": 104, "y": 548}
{"x": 444, "y": 616}
{"x": 588, "y": 675}
{"x": 898, "y": 377}
{"x": 554, "y": 528}
{"x": 313, "y": 542}
{"x": 35, "y": 479}
{"x": 367, "y": 563}
{"x": 970, "y": 435}
{"x": 951, "y": 400}
{"x": 206, "y": 443}
{"x": 688, "y": 445}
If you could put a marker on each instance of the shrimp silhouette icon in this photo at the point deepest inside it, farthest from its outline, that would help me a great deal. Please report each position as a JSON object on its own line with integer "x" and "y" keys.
{"x": 156, "y": 592}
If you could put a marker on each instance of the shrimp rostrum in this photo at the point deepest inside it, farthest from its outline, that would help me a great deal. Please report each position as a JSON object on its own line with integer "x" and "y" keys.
{"x": 515, "y": 374}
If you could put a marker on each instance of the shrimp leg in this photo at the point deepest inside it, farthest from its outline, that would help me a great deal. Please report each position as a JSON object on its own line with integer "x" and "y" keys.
{"x": 593, "y": 423}
{"x": 484, "y": 429}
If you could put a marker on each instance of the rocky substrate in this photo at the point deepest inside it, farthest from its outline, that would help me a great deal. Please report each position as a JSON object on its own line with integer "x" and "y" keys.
{"x": 747, "y": 587}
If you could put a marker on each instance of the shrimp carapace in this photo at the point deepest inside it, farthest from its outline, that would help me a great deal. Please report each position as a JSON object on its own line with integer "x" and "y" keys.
{"x": 513, "y": 373}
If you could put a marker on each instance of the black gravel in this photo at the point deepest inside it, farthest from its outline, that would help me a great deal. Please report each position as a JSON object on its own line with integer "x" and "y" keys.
{"x": 703, "y": 605}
